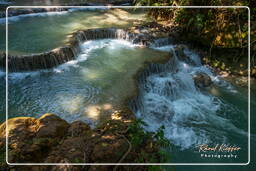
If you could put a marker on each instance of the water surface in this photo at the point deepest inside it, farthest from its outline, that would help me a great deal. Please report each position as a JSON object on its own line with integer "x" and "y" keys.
{"x": 88, "y": 88}
{"x": 40, "y": 32}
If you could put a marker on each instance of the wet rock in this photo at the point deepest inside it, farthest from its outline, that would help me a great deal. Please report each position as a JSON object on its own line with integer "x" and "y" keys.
{"x": 253, "y": 72}
{"x": 109, "y": 150}
{"x": 51, "y": 139}
{"x": 179, "y": 50}
{"x": 143, "y": 39}
{"x": 31, "y": 139}
{"x": 51, "y": 125}
{"x": 2, "y": 60}
{"x": 202, "y": 80}
{"x": 71, "y": 150}
{"x": 38, "y": 61}
{"x": 63, "y": 167}
{"x": 78, "y": 128}
{"x": 18, "y": 129}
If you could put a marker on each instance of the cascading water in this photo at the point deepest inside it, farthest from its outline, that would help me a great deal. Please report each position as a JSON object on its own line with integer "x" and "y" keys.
{"x": 191, "y": 115}
{"x": 61, "y": 55}
{"x": 88, "y": 88}
{"x": 58, "y": 25}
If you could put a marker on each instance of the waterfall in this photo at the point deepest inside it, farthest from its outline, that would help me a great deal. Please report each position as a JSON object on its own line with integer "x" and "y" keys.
{"x": 168, "y": 96}
{"x": 39, "y": 61}
{"x": 114, "y": 33}
{"x": 73, "y": 44}
{"x": 64, "y": 54}
{"x": 161, "y": 42}
{"x": 104, "y": 33}
{"x": 60, "y": 55}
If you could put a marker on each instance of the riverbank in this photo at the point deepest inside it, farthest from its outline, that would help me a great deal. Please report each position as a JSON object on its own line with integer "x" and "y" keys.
{"x": 50, "y": 139}
{"x": 226, "y": 63}
{"x": 229, "y": 63}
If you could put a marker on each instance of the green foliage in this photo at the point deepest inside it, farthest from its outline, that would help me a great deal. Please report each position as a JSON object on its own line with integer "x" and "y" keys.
{"x": 225, "y": 27}
{"x": 153, "y": 2}
{"x": 160, "y": 139}
{"x": 139, "y": 138}
{"x": 155, "y": 168}
{"x": 78, "y": 160}
{"x": 137, "y": 135}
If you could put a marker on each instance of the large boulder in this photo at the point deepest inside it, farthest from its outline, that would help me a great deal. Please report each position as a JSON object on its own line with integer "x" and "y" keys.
{"x": 71, "y": 150}
{"x": 19, "y": 128}
{"x": 78, "y": 128}
{"x": 50, "y": 139}
{"x": 202, "y": 80}
{"x": 179, "y": 50}
{"x": 30, "y": 139}
{"x": 50, "y": 125}
{"x": 109, "y": 149}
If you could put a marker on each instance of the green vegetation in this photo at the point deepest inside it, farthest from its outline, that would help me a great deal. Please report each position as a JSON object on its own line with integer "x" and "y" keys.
{"x": 210, "y": 27}
{"x": 143, "y": 141}
{"x": 222, "y": 27}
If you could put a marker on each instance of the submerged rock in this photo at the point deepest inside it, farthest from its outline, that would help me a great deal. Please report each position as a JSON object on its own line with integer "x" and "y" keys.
{"x": 179, "y": 50}
{"x": 202, "y": 80}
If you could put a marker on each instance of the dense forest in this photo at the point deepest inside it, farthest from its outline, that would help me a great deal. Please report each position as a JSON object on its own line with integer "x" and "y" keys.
{"x": 214, "y": 28}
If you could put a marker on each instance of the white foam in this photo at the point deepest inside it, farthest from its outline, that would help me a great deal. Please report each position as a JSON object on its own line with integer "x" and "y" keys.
{"x": 17, "y": 76}
{"x": 166, "y": 48}
{"x": 88, "y": 9}
{"x": 89, "y": 46}
{"x": 193, "y": 56}
{"x": 86, "y": 48}
{"x": 111, "y": 43}
{"x": 189, "y": 115}
{"x": 224, "y": 84}
{"x": 186, "y": 137}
